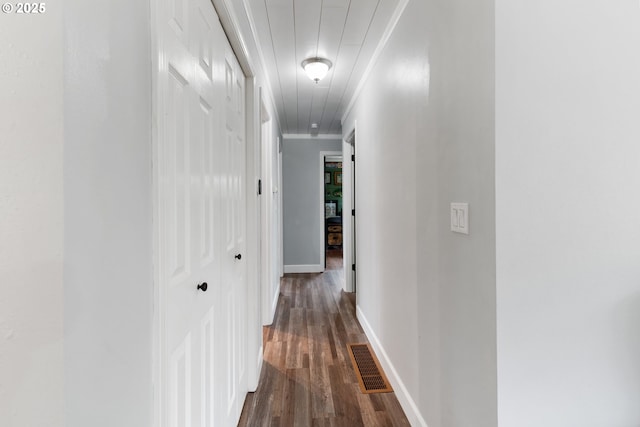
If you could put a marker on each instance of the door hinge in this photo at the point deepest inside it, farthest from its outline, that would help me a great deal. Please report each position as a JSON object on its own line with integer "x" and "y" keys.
{"x": 353, "y": 157}
{"x": 353, "y": 212}
{"x": 353, "y": 267}
{"x": 259, "y": 187}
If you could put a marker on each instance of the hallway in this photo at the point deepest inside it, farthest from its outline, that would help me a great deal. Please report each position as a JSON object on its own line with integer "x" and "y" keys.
{"x": 307, "y": 378}
{"x": 161, "y": 168}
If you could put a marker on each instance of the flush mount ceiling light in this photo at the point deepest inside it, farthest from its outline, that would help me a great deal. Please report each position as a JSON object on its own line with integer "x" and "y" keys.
{"x": 316, "y": 68}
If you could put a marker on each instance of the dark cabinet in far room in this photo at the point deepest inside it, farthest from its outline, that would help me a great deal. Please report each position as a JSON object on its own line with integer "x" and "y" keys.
{"x": 333, "y": 232}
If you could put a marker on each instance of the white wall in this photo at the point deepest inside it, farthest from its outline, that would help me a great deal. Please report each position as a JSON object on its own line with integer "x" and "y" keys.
{"x": 271, "y": 239}
{"x": 91, "y": 71}
{"x": 568, "y": 238}
{"x": 301, "y": 198}
{"x": 108, "y": 211}
{"x": 31, "y": 220}
{"x": 427, "y": 295}
{"x": 276, "y": 197}
{"x": 272, "y": 198}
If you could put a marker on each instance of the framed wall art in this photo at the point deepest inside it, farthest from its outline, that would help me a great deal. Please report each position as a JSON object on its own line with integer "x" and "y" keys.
{"x": 337, "y": 178}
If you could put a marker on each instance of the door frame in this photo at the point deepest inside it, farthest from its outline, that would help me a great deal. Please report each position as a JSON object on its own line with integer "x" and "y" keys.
{"x": 269, "y": 289}
{"x": 348, "y": 203}
{"x": 254, "y": 256}
{"x": 224, "y": 10}
{"x": 323, "y": 253}
{"x": 157, "y": 326}
{"x": 280, "y": 215}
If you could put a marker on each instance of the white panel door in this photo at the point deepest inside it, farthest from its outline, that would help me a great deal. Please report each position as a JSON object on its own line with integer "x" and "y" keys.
{"x": 234, "y": 286}
{"x": 201, "y": 225}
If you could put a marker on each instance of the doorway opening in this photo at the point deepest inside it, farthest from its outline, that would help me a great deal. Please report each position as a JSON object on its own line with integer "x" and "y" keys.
{"x": 333, "y": 210}
{"x": 330, "y": 206}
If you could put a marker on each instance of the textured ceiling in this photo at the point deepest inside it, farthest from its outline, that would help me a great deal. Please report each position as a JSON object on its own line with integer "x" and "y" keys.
{"x": 346, "y": 32}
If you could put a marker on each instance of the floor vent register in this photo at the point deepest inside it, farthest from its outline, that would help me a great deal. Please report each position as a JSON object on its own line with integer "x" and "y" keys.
{"x": 370, "y": 375}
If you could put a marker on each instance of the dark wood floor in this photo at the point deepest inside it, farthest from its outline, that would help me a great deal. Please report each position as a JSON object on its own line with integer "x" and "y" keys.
{"x": 307, "y": 378}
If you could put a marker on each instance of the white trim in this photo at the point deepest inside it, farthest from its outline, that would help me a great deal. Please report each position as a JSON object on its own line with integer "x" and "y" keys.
{"x": 252, "y": 157}
{"x": 348, "y": 241}
{"x": 267, "y": 210}
{"x": 158, "y": 325}
{"x": 351, "y": 136}
{"x": 225, "y": 11}
{"x": 299, "y": 268}
{"x": 308, "y": 136}
{"x": 391, "y": 26}
{"x": 406, "y": 401}
{"x": 280, "y": 217}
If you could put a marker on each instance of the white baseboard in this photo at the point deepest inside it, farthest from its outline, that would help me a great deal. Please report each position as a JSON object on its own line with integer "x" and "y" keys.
{"x": 317, "y": 268}
{"x": 408, "y": 404}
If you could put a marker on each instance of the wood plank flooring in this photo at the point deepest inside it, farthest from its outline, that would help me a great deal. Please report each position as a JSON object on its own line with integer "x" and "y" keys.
{"x": 307, "y": 378}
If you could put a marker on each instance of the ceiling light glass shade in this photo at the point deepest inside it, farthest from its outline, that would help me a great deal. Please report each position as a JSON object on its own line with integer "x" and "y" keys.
{"x": 316, "y": 68}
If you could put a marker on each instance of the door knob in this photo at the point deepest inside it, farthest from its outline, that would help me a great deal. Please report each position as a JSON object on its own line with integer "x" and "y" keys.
{"x": 239, "y": 256}
{"x": 203, "y": 286}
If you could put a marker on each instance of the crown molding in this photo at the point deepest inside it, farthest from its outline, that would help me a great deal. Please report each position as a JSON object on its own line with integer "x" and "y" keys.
{"x": 309, "y": 136}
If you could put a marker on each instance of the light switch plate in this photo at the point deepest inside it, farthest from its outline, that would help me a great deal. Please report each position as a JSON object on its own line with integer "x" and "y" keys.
{"x": 460, "y": 218}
